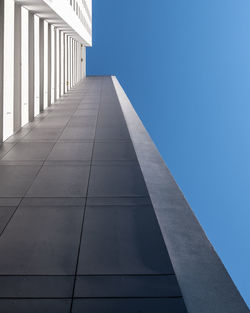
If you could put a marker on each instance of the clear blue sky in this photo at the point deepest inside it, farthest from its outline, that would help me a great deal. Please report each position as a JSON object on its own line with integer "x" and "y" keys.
{"x": 185, "y": 66}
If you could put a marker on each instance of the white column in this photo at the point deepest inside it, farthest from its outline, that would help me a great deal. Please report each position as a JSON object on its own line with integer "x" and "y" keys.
{"x": 1, "y": 66}
{"x": 72, "y": 60}
{"x": 74, "y": 70}
{"x": 17, "y": 69}
{"x": 83, "y": 61}
{"x": 64, "y": 62}
{"x": 75, "y": 61}
{"x": 49, "y": 64}
{"x": 31, "y": 67}
{"x": 55, "y": 63}
{"x": 60, "y": 61}
{"x": 68, "y": 72}
{"x": 41, "y": 63}
{"x": 70, "y": 63}
{"x": 79, "y": 61}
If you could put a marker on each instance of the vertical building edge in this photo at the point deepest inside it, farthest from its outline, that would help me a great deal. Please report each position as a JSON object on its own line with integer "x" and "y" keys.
{"x": 206, "y": 286}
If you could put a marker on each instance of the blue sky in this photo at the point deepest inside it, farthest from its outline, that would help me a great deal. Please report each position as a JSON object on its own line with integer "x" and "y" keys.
{"x": 185, "y": 66}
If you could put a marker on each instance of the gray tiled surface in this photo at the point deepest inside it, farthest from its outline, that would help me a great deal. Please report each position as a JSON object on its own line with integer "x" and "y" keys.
{"x": 5, "y": 215}
{"x": 111, "y": 151}
{"x": 71, "y": 151}
{"x": 117, "y": 240}
{"x": 16, "y": 179}
{"x": 60, "y": 181}
{"x": 35, "y": 305}
{"x": 146, "y": 305}
{"x": 41, "y": 241}
{"x": 123, "y": 180}
{"x": 36, "y": 286}
{"x": 78, "y": 229}
{"x": 126, "y": 286}
{"x": 29, "y": 151}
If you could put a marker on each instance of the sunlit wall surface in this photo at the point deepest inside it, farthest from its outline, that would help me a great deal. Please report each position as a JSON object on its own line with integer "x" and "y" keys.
{"x": 8, "y": 75}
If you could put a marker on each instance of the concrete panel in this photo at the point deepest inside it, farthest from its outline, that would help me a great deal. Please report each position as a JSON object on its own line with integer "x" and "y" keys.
{"x": 60, "y": 181}
{"x": 35, "y": 305}
{"x": 117, "y": 240}
{"x": 38, "y": 239}
{"x": 117, "y": 180}
{"x": 16, "y": 179}
{"x": 36, "y": 286}
{"x": 129, "y": 305}
{"x": 126, "y": 286}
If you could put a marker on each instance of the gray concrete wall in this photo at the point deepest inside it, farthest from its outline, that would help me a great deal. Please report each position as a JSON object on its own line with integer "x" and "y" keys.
{"x": 205, "y": 284}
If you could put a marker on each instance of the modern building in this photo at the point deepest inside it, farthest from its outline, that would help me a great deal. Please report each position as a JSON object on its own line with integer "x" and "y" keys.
{"x": 91, "y": 220}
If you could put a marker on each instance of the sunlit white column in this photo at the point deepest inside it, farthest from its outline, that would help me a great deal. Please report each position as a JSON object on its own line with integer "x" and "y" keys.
{"x": 81, "y": 62}
{"x": 37, "y": 65}
{"x": 8, "y": 70}
{"x": 69, "y": 79}
{"x": 25, "y": 66}
{"x": 77, "y": 61}
{"x": 52, "y": 64}
{"x": 41, "y": 65}
{"x": 49, "y": 64}
{"x": 74, "y": 61}
{"x": 66, "y": 63}
{"x": 62, "y": 63}
{"x": 45, "y": 40}
{"x": 75, "y": 76}
{"x": 31, "y": 67}
{"x": 17, "y": 68}
{"x": 55, "y": 64}
{"x": 71, "y": 63}
{"x": 59, "y": 62}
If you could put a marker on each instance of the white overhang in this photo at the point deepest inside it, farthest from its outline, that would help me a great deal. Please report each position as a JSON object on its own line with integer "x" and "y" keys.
{"x": 61, "y": 15}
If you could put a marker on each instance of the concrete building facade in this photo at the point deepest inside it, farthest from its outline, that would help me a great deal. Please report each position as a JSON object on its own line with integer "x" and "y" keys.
{"x": 91, "y": 219}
